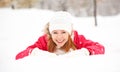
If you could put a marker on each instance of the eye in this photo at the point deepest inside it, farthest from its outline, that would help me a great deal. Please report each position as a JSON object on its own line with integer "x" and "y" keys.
{"x": 63, "y": 32}
{"x": 55, "y": 33}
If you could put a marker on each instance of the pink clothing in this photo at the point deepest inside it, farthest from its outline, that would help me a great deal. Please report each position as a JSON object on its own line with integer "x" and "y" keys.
{"x": 79, "y": 40}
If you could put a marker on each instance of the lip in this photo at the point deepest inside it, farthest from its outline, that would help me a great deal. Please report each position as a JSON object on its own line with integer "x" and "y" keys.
{"x": 60, "y": 41}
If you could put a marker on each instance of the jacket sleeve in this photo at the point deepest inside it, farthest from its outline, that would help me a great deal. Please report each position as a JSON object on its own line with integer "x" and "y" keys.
{"x": 40, "y": 43}
{"x": 93, "y": 47}
{"x": 25, "y": 52}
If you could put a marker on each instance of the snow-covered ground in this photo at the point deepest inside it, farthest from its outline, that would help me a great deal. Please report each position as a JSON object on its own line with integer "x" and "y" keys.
{"x": 21, "y": 28}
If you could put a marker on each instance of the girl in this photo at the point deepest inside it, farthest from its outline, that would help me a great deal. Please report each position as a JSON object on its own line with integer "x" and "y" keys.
{"x": 60, "y": 38}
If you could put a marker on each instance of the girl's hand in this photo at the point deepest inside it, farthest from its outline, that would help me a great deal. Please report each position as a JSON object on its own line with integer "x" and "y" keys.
{"x": 80, "y": 52}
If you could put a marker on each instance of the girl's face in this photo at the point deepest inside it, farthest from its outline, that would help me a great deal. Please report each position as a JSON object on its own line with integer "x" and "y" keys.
{"x": 60, "y": 37}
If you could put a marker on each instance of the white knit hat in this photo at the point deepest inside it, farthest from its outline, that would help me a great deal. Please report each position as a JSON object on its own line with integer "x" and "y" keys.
{"x": 61, "y": 21}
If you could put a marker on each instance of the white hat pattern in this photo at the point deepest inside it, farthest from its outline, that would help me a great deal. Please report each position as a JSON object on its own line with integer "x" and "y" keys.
{"x": 61, "y": 21}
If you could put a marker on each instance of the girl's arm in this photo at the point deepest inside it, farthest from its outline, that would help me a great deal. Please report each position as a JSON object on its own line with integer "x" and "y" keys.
{"x": 93, "y": 47}
{"x": 40, "y": 43}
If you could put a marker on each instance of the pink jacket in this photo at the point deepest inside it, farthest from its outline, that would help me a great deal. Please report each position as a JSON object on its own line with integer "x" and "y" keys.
{"x": 79, "y": 40}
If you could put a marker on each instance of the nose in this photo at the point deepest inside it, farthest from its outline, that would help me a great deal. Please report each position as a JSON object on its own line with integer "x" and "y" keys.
{"x": 59, "y": 36}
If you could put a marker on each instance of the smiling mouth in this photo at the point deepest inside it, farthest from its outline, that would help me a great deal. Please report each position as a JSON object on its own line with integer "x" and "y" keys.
{"x": 60, "y": 41}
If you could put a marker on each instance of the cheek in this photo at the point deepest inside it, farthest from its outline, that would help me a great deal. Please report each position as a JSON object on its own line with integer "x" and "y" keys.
{"x": 53, "y": 37}
{"x": 66, "y": 37}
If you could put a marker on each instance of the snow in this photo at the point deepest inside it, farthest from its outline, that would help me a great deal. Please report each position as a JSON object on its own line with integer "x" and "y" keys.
{"x": 21, "y": 28}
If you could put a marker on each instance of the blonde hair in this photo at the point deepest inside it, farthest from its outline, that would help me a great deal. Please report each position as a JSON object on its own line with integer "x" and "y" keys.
{"x": 52, "y": 46}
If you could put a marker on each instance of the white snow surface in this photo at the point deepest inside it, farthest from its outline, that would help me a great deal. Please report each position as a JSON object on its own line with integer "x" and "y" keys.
{"x": 21, "y": 28}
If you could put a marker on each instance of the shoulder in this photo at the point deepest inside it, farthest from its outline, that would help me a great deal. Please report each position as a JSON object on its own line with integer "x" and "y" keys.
{"x": 43, "y": 37}
{"x": 78, "y": 36}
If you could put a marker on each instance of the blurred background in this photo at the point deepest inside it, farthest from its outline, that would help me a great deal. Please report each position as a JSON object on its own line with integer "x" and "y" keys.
{"x": 78, "y": 8}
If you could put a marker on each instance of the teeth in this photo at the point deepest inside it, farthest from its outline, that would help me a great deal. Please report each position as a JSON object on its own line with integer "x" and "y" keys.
{"x": 60, "y": 41}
